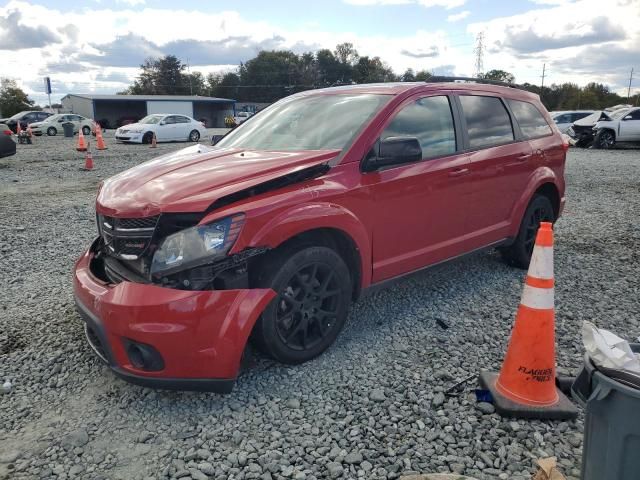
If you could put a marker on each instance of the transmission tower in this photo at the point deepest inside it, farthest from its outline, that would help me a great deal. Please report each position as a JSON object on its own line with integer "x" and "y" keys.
{"x": 479, "y": 53}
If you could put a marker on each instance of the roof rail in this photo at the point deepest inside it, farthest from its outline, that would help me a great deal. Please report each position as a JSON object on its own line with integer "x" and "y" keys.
{"x": 439, "y": 79}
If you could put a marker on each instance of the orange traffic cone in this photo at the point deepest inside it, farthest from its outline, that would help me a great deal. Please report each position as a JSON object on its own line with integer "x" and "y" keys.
{"x": 100, "y": 145}
{"x": 526, "y": 385}
{"x": 82, "y": 146}
{"x": 29, "y": 131}
{"x": 153, "y": 141}
{"x": 88, "y": 161}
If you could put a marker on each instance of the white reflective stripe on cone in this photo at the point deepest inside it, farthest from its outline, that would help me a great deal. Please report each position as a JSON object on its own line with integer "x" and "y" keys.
{"x": 539, "y": 298}
{"x": 541, "y": 265}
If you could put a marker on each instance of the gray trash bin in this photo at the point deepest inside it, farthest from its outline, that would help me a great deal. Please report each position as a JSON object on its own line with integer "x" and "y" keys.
{"x": 611, "y": 446}
{"x": 68, "y": 129}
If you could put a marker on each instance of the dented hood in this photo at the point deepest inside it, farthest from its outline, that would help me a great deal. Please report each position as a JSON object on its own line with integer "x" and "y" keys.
{"x": 191, "y": 179}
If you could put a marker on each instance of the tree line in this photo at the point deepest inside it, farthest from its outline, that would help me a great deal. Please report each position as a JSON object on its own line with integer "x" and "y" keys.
{"x": 272, "y": 75}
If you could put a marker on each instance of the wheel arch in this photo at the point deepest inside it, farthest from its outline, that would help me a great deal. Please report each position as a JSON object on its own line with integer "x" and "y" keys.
{"x": 543, "y": 182}
{"x": 321, "y": 224}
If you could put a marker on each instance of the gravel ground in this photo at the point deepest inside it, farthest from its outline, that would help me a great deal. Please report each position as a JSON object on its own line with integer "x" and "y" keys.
{"x": 373, "y": 406}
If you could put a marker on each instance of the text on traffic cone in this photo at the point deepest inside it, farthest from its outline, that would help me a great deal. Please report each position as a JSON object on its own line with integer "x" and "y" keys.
{"x": 529, "y": 370}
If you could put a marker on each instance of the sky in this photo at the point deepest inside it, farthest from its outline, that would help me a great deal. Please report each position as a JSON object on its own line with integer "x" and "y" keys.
{"x": 98, "y": 45}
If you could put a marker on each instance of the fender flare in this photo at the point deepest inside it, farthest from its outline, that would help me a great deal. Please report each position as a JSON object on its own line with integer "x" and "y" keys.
{"x": 312, "y": 216}
{"x": 540, "y": 177}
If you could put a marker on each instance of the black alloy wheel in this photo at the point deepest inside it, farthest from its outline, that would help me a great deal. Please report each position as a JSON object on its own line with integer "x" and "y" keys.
{"x": 519, "y": 252}
{"x": 605, "y": 139}
{"x": 308, "y": 307}
{"x": 314, "y": 292}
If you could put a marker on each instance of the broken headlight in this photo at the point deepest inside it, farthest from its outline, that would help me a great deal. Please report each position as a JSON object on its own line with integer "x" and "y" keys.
{"x": 196, "y": 246}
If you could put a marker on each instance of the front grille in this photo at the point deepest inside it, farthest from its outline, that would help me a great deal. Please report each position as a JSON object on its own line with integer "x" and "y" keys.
{"x": 127, "y": 238}
{"x": 95, "y": 343}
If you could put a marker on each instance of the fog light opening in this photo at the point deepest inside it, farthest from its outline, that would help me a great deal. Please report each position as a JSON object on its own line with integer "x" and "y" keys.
{"x": 143, "y": 356}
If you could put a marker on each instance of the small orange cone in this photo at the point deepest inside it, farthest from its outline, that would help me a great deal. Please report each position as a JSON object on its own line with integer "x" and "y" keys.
{"x": 526, "y": 385}
{"x": 100, "y": 145}
{"x": 88, "y": 161}
{"x": 82, "y": 146}
{"x": 153, "y": 140}
{"x": 29, "y": 131}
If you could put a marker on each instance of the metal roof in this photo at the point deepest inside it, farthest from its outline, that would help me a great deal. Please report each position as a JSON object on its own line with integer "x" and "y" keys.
{"x": 163, "y": 98}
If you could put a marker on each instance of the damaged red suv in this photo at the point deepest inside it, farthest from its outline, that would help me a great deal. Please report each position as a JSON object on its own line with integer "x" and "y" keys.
{"x": 271, "y": 233}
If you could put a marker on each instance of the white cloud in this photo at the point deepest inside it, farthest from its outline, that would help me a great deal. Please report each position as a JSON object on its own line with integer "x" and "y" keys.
{"x": 448, "y": 4}
{"x": 458, "y": 16}
{"x": 131, "y": 3}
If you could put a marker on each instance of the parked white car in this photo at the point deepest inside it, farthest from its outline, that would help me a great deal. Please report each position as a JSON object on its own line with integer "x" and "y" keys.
{"x": 53, "y": 125}
{"x": 565, "y": 119}
{"x": 622, "y": 128}
{"x": 167, "y": 128}
{"x": 241, "y": 117}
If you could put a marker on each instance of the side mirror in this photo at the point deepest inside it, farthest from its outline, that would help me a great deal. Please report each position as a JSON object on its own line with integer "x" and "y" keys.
{"x": 163, "y": 122}
{"x": 394, "y": 151}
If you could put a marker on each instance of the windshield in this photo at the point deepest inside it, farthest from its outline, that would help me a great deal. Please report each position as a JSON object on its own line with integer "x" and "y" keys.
{"x": 310, "y": 122}
{"x": 18, "y": 115}
{"x": 152, "y": 119}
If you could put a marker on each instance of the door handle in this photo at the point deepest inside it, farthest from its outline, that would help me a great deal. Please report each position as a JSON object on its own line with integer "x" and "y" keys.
{"x": 458, "y": 172}
{"x": 523, "y": 157}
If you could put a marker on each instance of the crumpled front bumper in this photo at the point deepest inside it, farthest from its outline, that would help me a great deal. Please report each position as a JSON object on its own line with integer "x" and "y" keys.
{"x": 200, "y": 335}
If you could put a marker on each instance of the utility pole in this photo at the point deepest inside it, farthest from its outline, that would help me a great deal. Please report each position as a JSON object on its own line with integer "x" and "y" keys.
{"x": 479, "y": 52}
{"x": 629, "y": 89}
{"x": 544, "y": 66}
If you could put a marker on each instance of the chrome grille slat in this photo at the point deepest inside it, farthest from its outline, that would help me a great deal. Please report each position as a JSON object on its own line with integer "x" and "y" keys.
{"x": 127, "y": 238}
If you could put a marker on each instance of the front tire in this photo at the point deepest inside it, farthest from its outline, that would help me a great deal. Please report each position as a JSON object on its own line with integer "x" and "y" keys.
{"x": 52, "y": 132}
{"x": 314, "y": 292}
{"x": 86, "y": 130}
{"x": 519, "y": 252}
{"x": 147, "y": 138}
{"x": 194, "y": 136}
{"x": 605, "y": 139}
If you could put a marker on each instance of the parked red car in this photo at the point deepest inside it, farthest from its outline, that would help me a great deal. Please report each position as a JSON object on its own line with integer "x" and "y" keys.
{"x": 271, "y": 233}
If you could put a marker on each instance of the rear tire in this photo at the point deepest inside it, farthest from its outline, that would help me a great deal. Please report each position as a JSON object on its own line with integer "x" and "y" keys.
{"x": 313, "y": 287}
{"x": 605, "y": 139}
{"x": 194, "y": 136}
{"x": 52, "y": 132}
{"x": 519, "y": 252}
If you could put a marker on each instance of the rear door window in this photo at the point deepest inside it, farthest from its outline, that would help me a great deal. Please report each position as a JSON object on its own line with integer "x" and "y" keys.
{"x": 428, "y": 119}
{"x": 532, "y": 123}
{"x": 488, "y": 121}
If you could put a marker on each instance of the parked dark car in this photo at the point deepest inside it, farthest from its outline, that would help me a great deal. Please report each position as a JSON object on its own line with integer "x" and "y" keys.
{"x": 25, "y": 118}
{"x": 270, "y": 234}
{"x": 7, "y": 145}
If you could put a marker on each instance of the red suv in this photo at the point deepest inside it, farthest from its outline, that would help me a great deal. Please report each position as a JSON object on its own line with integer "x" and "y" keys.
{"x": 271, "y": 233}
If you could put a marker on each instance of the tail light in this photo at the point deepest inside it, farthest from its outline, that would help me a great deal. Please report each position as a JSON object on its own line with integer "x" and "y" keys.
{"x": 7, "y": 132}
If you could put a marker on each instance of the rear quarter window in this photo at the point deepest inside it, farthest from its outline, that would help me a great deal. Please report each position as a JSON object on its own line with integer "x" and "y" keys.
{"x": 488, "y": 122}
{"x": 532, "y": 122}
